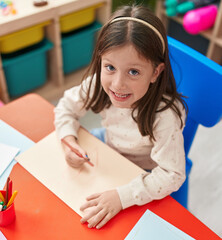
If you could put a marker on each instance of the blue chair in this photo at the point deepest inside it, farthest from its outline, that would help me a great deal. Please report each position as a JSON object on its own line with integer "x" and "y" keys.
{"x": 200, "y": 79}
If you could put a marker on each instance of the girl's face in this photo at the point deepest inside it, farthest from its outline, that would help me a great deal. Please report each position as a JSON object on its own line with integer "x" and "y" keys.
{"x": 126, "y": 75}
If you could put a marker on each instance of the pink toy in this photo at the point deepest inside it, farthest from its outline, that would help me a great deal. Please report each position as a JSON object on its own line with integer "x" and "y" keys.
{"x": 200, "y": 19}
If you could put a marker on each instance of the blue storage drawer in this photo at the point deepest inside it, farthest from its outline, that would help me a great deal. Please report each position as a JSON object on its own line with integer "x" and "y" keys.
{"x": 26, "y": 69}
{"x": 77, "y": 47}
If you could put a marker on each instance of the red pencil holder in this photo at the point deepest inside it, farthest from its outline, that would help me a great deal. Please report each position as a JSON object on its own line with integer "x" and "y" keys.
{"x": 8, "y": 215}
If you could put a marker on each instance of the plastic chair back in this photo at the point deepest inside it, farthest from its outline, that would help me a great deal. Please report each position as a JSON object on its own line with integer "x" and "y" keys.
{"x": 200, "y": 79}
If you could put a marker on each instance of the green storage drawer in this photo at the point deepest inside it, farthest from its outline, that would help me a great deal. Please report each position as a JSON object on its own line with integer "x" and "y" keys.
{"x": 77, "y": 47}
{"x": 26, "y": 69}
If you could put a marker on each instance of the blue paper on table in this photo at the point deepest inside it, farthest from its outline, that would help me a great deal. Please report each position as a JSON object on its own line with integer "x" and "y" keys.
{"x": 11, "y": 137}
{"x": 151, "y": 226}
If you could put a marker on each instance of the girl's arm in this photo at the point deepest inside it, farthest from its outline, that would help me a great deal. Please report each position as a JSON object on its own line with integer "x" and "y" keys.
{"x": 168, "y": 153}
{"x": 67, "y": 114}
{"x": 70, "y": 109}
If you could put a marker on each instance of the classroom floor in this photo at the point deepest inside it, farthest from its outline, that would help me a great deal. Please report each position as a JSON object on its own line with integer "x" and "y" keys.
{"x": 205, "y": 191}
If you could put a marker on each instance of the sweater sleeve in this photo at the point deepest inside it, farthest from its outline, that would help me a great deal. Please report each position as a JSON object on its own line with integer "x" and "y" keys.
{"x": 169, "y": 174}
{"x": 69, "y": 109}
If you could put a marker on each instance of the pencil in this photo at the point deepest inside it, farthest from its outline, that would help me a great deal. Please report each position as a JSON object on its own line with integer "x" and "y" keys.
{"x": 11, "y": 200}
{"x": 7, "y": 189}
{"x": 77, "y": 152}
{"x": 1, "y": 197}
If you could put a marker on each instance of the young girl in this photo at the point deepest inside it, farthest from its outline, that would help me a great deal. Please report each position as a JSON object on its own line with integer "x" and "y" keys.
{"x": 131, "y": 84}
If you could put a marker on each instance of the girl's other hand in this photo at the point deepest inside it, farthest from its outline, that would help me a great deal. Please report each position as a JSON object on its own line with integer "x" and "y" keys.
{"x": 72, "y": 159}
{"x": 100, "y": 208}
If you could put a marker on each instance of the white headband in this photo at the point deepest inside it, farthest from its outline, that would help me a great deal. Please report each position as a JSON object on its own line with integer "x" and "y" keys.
{"x": 145, "y": 23}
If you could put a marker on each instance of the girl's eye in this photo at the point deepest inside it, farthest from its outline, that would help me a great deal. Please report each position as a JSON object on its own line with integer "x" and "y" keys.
{"x": 110, "y": 68}
{"x": 133, "y": 72}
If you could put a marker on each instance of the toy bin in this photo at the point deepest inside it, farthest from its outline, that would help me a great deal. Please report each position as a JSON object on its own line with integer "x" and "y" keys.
{"x": 26, "y": 69}
{"x": 22, "y": 39}
{"x": 78, "y": 19}
{"x": 77, "y": 47}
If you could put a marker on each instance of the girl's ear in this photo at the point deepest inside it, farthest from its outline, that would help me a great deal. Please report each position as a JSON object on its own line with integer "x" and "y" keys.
{"x": 157, "y": 72}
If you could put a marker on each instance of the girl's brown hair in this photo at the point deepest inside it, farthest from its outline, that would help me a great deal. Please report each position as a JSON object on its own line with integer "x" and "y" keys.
{"x": 149, "y": 45}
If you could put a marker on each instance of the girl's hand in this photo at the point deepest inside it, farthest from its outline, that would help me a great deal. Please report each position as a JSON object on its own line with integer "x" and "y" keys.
{"x": 72, "y": 159}
{"x": 100, "y": 208}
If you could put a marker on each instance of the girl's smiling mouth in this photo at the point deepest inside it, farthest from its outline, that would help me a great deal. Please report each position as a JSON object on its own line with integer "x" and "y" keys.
{"x": 120, "y": 96}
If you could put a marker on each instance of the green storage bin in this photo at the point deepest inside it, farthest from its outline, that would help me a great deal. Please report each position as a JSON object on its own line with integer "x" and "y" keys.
{"x": 77, "y": 47}
{"x": 26, "y": 69}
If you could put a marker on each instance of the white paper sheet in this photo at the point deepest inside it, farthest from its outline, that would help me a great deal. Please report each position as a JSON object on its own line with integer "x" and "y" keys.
{"x": 7, "y": 154}
{"x": 47, "y": 163}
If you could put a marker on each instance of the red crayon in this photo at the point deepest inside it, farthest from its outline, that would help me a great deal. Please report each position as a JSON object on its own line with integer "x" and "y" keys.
{"x": 77, "y": 152}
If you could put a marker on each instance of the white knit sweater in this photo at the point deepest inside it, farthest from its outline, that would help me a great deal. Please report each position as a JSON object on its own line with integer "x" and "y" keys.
{"x": 165, "y": 156}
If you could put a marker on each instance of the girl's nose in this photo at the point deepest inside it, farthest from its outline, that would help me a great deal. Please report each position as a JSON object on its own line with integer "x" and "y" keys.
{"x": 118, "y": 82}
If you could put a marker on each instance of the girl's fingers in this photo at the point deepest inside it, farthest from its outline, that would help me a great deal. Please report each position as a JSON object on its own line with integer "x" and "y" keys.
{"x": 76, "y": 163}
{"x": 100, "y": 208}
{"x": 91, "y": 214}
{"x": 79, "y": 150}
{"x": 104, "y": 221}
{"x": 93, "y": 196}
{"x": 73, "y": 160}
{"x": 89, "y": 204}
{"x": 98, "y": 218}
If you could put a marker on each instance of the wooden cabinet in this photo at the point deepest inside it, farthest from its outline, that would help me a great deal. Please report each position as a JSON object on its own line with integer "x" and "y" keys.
{"x": 214, "y": 35}
{"x": 28, "y": 15}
